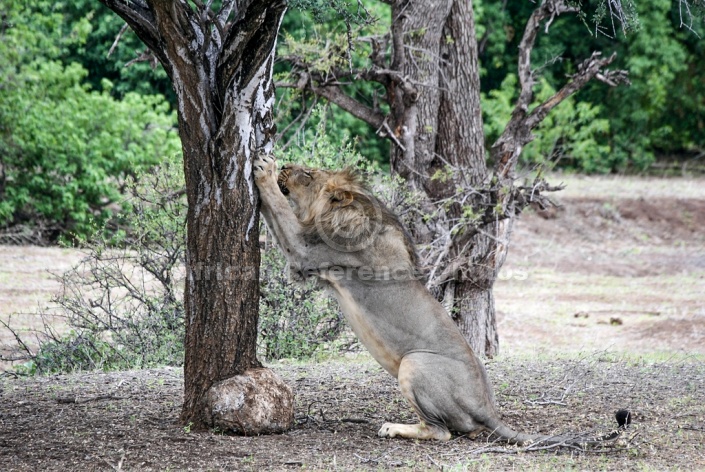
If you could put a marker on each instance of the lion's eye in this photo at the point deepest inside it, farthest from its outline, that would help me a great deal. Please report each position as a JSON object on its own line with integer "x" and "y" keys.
{"x": 305, "y": 178}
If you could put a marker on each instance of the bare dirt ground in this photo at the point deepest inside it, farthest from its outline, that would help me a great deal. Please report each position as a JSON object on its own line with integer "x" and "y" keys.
{"x": 600, "y": 307}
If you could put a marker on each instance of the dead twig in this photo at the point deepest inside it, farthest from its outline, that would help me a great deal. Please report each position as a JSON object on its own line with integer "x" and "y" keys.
{"x": 354, "y": 420}
{"x": 119, "y": 464}
{"x": 376, "y": 460}
{"x": 73, "y": 399}
{"x": 117, "y": 39}
{"x": 692, "y": 428}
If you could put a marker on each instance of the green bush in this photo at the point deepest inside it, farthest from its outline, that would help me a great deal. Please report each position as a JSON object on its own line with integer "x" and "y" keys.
{"x": 66, "y": 152}
{"x": 296, "y": 320}
{"x": 123, "y": 302}
{"x": 571, "y": 136}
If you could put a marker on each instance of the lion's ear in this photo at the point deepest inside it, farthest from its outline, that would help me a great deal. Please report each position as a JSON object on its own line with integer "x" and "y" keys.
{"x": 341, "y": 197}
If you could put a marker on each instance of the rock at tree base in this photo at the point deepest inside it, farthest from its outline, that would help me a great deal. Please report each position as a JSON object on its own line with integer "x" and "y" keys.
{"x": 257, "y": 402}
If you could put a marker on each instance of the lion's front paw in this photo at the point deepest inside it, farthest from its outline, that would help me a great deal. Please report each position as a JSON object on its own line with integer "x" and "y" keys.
{"x": 265, "y": 169}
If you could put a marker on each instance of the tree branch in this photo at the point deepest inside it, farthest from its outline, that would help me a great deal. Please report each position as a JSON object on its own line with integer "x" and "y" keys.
{"x": 140, "y": 17}
{"x": 224, "y": 13}
{"x": 548, "y": 9}
{"x": 334, "y": 94}
{"x": 588, "y": 70}
{"x": 520, "y": 196}
{"x": 241, "y": 45}
{"x": 506, "y": 150}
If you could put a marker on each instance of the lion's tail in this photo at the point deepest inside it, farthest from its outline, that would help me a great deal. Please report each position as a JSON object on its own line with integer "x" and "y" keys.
{"x": 500, "y": 429}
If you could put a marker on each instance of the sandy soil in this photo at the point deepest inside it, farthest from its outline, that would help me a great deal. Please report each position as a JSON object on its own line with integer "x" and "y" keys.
{"x": 625, "y": 274}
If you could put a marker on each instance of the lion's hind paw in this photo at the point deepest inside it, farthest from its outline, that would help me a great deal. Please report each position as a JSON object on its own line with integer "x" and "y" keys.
{"x": 414, "y": 431}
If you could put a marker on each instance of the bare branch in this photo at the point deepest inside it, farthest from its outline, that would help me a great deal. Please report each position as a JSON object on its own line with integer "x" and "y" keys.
{"x": 140, "y": 17}
{"x": 303, "y": 118}
{"x": 549, "y": 9}
{"x": 506, "y": 150}
{"x": 333, "y": 93}
{"x": 390, "y": 134}
{"x": 589, "y": 69}
{"x": 519, "y": 197}
{"x": 146, "y": 56}
{"x": 117, "y": 39}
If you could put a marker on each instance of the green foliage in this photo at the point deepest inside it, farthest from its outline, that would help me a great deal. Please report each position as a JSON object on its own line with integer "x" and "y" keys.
{"x": 74, "y": 352}
{"x": 296, "y": 319}
{"x": 661, "y": 113}
{"x": 664, "y": 108}
{"x": 331, "y": 10}
{"x": 66, "y": 151}
{"x": 101, "y": 29}
{"x": 319, "y": 147}
{"x": 572, "y": 134}
{"x": 326, "y": 43}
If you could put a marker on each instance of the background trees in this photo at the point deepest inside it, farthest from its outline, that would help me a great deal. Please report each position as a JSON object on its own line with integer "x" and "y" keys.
{"x": 65, "y": 156}
{"x": 593, "y": 131}
{"x": 655, "y": 118}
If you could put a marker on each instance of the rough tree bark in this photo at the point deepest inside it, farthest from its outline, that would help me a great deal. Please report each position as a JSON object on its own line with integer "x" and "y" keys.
{"x": 460, "y": 143}
{"x": 428, "y": 65}
{"x": 435, "y": 48}
{"x": 220, "y": 63}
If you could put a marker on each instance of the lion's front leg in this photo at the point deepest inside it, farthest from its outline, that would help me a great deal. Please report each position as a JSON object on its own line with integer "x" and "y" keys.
{"x": 277, "y": 213}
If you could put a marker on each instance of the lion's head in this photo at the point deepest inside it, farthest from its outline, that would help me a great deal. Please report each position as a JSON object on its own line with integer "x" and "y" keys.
{"x": 337, "y": 208}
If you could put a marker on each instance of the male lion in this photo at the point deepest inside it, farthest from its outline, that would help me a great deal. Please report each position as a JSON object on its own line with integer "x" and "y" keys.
{"x": 333, "y": 229}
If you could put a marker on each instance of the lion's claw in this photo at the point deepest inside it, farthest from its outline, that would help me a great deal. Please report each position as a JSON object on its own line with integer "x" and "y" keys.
{"x": 265, "y": 167}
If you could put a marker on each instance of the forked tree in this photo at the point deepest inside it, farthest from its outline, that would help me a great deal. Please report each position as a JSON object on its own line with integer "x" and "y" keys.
{"x": 220, "y": 63}
{"x": 427, "y": 69}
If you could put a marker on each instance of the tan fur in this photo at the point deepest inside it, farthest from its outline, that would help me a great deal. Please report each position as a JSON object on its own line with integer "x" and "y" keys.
{"x": 333, "y": 229}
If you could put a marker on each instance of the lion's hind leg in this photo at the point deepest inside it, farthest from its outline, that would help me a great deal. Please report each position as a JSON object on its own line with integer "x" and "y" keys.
{"x": 413, "y": 385}
{"x": 414, "y": 431}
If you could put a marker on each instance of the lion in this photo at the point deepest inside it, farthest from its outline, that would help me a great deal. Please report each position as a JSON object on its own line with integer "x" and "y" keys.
{"x": 329, "y": 226}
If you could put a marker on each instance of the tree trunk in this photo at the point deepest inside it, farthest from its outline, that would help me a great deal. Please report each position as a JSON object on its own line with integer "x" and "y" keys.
{"x": 442, "y": 55}
{"x": 417, "y": 28}
{"x": 220, "y": 64}
{"x": 461, "y": 143}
